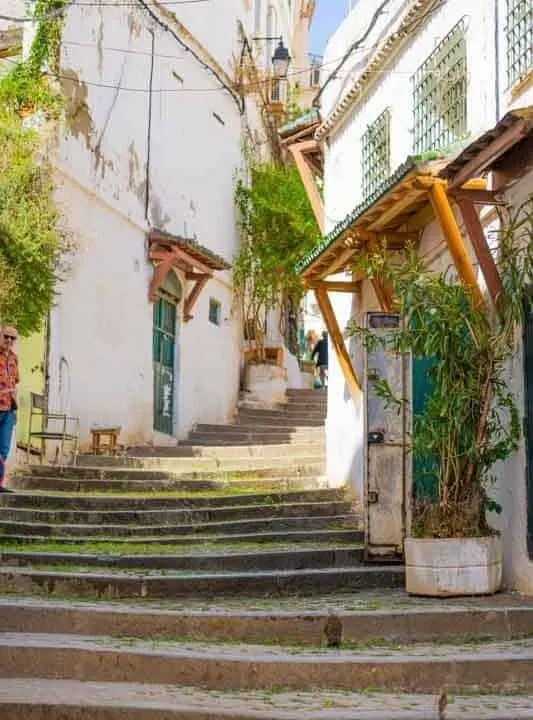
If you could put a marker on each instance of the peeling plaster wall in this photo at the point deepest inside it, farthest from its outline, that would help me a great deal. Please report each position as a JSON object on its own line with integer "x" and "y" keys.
{"x": 342, "y": 192}
{"x": 101, "y": 344}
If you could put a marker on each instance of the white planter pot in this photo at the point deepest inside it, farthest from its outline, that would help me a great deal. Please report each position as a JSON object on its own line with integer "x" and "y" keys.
{"x": 458, "y": 566}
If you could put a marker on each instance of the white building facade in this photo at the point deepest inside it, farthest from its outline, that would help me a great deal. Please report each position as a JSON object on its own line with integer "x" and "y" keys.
{"x": 417, "y": 77}
{"x": 146, "y": 170}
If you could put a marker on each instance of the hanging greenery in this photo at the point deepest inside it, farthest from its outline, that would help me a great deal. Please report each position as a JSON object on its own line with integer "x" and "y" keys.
{"x": 277, "y": 228}
{"x": 30, "y": 242}
{"x": 469, "y": 420}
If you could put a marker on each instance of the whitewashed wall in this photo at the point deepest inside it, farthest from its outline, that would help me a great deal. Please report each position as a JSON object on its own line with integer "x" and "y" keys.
{"x": 343, "y": 184}
{"x": 101, "y": 329}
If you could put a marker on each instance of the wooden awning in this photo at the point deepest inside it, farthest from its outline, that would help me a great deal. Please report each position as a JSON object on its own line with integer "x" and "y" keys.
{"x": 396, "y": 213}
{"x": 198, "y": 263}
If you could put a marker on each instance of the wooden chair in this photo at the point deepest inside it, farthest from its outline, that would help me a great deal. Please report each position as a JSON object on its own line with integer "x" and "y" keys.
{"x": 55, "y": 426}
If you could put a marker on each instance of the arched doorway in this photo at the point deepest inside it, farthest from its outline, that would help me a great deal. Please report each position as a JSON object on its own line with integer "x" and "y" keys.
{"x": 165, "y": 356}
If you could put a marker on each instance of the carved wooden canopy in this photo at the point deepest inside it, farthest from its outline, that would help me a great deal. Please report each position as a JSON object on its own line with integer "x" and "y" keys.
{"x": 168, "y": 252}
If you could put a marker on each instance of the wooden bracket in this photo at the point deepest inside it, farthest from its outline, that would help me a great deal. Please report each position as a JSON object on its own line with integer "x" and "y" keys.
{"x": 160, "y": 272}
{"x": 297, "y": 150}
{"x": 337, "y": 286}
{"x": 338, "y": 341}
{"x": 192, "y": 297}
{"x": 481, "y": 247}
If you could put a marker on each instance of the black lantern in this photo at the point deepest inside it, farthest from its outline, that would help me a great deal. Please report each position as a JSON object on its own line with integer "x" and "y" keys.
{"x": 281, "y": 61}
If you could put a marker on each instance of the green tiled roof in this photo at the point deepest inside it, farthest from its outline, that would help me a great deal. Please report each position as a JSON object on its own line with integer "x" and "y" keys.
{"x": 302, "y": 121}
{"x": 412, "y": 162}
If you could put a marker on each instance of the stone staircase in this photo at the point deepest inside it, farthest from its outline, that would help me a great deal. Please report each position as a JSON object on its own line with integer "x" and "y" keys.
{"x": 223, "y": 578}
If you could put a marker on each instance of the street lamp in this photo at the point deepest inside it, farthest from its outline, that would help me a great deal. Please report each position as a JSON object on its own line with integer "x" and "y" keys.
{"x": 281, "y": 60}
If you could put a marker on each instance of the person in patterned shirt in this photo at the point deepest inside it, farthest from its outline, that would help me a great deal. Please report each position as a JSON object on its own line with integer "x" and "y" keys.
{"x": 9, "y": 378}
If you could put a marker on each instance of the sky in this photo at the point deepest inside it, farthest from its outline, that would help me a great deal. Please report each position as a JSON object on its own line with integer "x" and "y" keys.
{"x": 328, "y": 16}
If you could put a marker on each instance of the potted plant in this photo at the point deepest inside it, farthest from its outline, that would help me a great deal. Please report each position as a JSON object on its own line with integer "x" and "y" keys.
{"x": 467, "y": 419}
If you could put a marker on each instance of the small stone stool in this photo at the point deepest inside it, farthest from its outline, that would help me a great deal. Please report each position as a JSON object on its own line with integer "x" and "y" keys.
{"x": 110, "y": 447}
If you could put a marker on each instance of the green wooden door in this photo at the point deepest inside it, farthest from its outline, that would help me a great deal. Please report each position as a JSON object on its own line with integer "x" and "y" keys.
{"x": 164, "y": 351}
{"x": 425, "y": 470}
{"x": 528, "y": 420}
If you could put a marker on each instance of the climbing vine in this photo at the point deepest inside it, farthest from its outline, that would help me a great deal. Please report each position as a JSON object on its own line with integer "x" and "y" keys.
{"x": 30, "y": 241}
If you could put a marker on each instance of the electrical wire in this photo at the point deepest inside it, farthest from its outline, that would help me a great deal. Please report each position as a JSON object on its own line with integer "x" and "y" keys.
{"x": 354, "y": 46}
{"x": 104, "y": 3}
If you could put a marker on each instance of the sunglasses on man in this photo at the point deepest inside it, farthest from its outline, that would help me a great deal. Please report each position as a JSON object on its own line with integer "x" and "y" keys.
{"x": 10, "y": 337}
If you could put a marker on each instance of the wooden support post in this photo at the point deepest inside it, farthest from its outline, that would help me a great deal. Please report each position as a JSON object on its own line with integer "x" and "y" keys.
{"x": 193, "y": 296}
{"x": 338, "y": 341}
{"x": 481, "y": 247}
{"x": 309, "y": 184}
{"x": 452, "y": 235}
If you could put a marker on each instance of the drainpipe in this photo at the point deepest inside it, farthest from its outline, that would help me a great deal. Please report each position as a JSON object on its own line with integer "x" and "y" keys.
{"x": 149, "y": 134}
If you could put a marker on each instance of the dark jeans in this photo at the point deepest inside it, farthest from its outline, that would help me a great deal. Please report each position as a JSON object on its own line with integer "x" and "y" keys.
{"x": 8, "y": 418}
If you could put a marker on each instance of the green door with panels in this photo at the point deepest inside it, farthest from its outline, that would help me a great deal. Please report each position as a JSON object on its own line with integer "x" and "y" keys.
{"x": 165, "y": 353}
{"x": 164, "y": 347}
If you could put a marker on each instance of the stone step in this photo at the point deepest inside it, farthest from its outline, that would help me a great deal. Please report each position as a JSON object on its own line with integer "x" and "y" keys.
{"x": 112, "y": 585}
{"x": 290, "y": 452}
{"x": 56, "y": 501}
{"x": 217, "y": 441}
{"x": 259, "y": 537}
{"x": 285, "y": 462}
{"x": 188, "y": 483}
{"x": 293, "y": 431}
{"x": 500, "y": 666}
{"x": 239, "y": 526}
{"x": 286, "y": 417}
{"x": 269, "y": 560}
{"x": 501, "y": 618}
{"x": 172, "y": 516}
{"x": 30, "y": 699}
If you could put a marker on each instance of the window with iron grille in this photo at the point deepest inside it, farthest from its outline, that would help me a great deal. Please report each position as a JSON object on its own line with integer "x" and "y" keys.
{"x": 439, "y": 94}
{"x": 519, "y": 31}
{"x": 375, "y": 151}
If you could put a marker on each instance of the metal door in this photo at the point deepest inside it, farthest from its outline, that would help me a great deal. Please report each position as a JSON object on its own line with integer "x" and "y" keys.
{"x": 385, "y": 450}
{"x": 164, "y": 350}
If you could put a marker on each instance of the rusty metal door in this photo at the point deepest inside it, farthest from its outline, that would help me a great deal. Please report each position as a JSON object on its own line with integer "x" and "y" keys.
{"x": 385, "y": 449}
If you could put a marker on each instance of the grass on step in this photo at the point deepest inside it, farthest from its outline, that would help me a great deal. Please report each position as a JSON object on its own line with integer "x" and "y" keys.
{"x": 109, "y": 549}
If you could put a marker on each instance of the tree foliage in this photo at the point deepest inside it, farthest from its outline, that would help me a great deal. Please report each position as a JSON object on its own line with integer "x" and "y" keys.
{"x": 277, "y": 227}
{"x": 469, "y": 419}
{"x": 30, "y": 241}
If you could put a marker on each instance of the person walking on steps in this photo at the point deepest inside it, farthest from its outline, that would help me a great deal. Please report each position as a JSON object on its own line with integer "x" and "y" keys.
{"x": 9, "y": 378}
{"x": 321, "y": 353}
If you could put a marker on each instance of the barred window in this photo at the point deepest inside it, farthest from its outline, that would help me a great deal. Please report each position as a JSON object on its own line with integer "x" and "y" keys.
{"x": 439, "y": 94}
{"x": 519, "y": 32}
{"x": 375, "y": 151}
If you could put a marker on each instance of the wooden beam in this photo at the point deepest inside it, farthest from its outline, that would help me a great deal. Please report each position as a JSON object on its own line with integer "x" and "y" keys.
{"x": 479, "y": 197}
{"x": 383, "y": 294}
{"x": 397, "y": 207}
{"x": 481, "y": 248}
{"x": 339, "y": 262}
{"x": 193, "y": 297}
{"x": 490, "y": 153}
{"x": 160, "y": 273}
{"x": 337, "y": 286}
{"x": 297, "y": 150}
{"x": 338, "y": 342}
{"x": 452, "y": 235}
